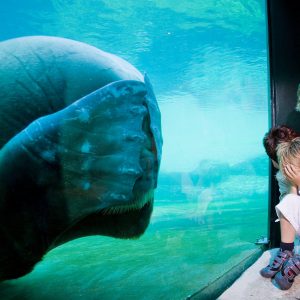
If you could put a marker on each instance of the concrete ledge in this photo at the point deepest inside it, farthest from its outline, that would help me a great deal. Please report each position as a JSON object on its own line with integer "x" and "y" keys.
{"x": 251, "y": 285}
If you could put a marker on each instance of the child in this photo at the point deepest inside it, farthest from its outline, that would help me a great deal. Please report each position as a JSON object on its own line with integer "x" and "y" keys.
{"x": 287, "y": 143}
{"x": 288, "y": 210}
{"x": 271, "y": 140}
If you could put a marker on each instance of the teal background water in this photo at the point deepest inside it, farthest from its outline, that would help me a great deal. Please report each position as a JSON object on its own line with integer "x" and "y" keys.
{"x": 207, "y": 61}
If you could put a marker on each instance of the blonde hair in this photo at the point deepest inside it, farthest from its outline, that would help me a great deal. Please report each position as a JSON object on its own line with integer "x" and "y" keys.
{"x": 289, "y": 152}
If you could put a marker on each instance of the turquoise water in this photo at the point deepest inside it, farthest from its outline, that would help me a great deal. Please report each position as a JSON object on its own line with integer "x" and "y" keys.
{"x": 208, "y": 65}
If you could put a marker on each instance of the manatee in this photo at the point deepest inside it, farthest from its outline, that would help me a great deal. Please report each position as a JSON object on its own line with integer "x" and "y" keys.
{"x": 80, "y": 148}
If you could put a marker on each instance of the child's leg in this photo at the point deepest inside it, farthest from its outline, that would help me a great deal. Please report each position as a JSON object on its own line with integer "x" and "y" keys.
{"x": 287, "y": 231}
{"x": 288, "y": 211}
{"x": 288, "y": 234}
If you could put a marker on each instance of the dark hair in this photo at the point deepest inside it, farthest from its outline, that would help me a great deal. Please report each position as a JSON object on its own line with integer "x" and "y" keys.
{"x": 275, "y": 136}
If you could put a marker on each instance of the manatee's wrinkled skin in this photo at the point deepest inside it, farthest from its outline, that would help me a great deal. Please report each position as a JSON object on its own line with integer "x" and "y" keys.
{"x": 80, "y": 148}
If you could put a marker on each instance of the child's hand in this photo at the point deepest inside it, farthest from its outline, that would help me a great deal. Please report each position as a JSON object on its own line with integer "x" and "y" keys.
{"x": 292, "y": 173}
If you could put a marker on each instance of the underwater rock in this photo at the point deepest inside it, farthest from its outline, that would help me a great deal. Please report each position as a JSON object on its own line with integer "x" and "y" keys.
{"x": 80, "y": 148}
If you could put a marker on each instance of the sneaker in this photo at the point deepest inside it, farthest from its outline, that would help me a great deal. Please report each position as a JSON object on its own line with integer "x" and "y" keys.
{"x": 271, "y": 270}
{"x": 290, "y": 270}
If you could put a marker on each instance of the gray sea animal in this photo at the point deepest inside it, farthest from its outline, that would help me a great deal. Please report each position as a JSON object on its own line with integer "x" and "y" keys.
{"x": 80, "y": 148}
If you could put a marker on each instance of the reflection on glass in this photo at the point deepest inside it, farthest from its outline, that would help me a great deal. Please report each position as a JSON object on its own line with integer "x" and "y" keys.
{"x": 208, "y": 66}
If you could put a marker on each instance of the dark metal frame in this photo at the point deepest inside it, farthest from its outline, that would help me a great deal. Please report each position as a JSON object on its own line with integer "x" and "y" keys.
{"x": 284, "y": 70}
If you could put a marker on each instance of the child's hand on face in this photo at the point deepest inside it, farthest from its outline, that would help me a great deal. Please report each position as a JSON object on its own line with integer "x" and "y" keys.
{"x": 292, "y": 173}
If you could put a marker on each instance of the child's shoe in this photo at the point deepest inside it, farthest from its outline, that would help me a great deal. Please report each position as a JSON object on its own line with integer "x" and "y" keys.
{"x": 289, "y": 271}
{"x": 271, "y": 270}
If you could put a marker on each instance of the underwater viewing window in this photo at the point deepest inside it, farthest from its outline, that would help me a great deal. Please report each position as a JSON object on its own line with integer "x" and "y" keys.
{"x": 207, "y": 62}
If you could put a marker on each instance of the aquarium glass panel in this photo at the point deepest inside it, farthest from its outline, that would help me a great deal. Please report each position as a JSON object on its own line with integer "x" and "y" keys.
{"x": 207, "y": 62}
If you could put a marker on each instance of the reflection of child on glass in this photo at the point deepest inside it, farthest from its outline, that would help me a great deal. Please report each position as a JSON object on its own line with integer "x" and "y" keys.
{"x": 282, "y": 145}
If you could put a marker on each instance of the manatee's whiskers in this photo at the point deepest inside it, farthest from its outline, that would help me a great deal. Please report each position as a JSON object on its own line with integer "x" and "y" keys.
{"x": 140, "y": 201}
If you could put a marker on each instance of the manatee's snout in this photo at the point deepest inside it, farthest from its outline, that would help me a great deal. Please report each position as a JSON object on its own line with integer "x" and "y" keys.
{"x": 131, "y": 216}
{"x": 151, "y": 154}
{"x": 144, "y": 181}
{"x": 143, "y": 186}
